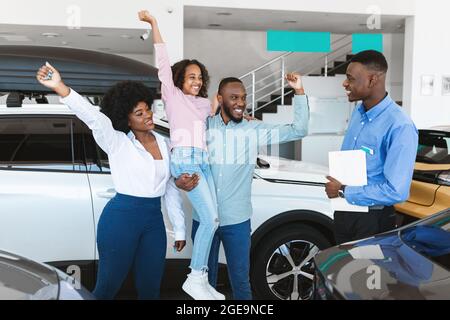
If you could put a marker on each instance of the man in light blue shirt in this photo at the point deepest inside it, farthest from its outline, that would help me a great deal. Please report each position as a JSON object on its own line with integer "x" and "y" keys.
{"x": 233, "y": 144}
{"x": 381, "y": 128}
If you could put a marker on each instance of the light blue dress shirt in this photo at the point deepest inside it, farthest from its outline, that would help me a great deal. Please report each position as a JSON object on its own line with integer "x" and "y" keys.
{"x": 390, "y": 139}
{"x": 233, "y": 151}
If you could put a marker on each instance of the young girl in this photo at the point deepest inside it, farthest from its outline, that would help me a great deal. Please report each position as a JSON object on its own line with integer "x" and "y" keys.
{"x": 184, "y": 94}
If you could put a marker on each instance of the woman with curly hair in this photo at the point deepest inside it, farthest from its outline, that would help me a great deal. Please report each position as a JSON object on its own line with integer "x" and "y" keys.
{"x": 131, "y": 231}
{"x": 183, "y": 89}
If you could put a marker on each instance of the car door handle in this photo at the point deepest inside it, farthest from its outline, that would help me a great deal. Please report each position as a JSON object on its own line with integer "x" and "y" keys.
{"x": 108, "y": 194}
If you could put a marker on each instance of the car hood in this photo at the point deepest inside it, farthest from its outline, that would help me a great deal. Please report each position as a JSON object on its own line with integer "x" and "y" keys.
{"x": 382, "y": 267}
{"x": 23, "y": 279}
{"x": 292, "y": 170}
{"x": 420, "y": 166}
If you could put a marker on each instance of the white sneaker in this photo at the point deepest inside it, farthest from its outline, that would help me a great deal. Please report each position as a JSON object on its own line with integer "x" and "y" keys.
{"x": 196, "y": 287}
{"x": 216, "y": 294}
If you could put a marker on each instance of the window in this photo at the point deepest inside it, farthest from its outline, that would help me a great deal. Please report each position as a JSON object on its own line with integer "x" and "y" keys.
{"x": 39, "y": 144}
{"x": 434, "y": 147}
{"x": 96, "y": 159}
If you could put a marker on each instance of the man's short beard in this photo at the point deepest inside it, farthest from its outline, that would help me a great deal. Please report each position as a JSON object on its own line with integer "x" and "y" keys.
{"x": 229, "y": 115}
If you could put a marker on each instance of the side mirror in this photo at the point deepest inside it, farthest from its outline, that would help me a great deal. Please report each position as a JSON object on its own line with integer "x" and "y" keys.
{"x": 262, "y": 164}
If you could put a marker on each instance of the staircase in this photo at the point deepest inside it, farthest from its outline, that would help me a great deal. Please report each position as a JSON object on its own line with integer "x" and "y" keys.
{"x": 266, "y": 87}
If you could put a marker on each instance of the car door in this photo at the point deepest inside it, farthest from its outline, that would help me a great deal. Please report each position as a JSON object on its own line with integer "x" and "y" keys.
{"x": 102, "y": 189}
{"x": 45, "y": 201}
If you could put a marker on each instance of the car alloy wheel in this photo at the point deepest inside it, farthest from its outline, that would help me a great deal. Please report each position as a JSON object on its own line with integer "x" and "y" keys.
{"x": 289, "y": 270}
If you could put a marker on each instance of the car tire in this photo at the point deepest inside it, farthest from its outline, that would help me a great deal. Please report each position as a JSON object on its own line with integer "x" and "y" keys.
{"x": 270, "y": 260}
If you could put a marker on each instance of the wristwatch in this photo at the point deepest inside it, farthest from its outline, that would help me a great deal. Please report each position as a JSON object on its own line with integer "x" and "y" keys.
{"x": 341, "y": 192}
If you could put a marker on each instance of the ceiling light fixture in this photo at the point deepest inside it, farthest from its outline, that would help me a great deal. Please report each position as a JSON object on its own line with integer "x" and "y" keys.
{"x": 50, "y": 34}
{"x": 126, "y": 36}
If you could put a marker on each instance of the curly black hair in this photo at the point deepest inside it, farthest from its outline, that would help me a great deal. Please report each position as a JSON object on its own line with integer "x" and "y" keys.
{"x": 179, "y": 70}
{"x": 120, "y": 100}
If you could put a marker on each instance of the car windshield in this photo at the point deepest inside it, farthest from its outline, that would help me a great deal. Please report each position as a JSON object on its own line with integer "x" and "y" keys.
{"x": 434, "y": 147}
{"x": 431, "y": 238}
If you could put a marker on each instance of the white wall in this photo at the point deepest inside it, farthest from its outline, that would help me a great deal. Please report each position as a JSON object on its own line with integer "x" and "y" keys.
{"x": 427, "y": 52}
{"x": 233, "y": 53}
{"x": 226, "y": 53}
{"x": 393, "y": 49}
{"x": 397, "y": 7}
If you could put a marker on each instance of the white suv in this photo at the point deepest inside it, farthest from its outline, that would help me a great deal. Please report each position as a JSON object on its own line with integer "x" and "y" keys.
{"x": 55, "y": 181}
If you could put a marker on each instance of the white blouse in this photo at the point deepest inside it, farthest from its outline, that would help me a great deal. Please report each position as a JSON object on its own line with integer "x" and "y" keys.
{"x": 134, "y": 171}
{"x": 160, "y": 171}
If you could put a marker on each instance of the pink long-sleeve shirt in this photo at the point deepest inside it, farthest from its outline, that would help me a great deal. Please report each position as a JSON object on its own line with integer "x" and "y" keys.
{"x": 186, "y": 113}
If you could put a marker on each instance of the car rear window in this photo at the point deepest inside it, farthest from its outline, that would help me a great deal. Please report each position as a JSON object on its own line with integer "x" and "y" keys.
{"x": 431, "y": 238}
{"x": 434, "y": 147}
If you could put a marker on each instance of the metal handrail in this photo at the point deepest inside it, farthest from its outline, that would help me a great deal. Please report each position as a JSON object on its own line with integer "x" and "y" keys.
{"x": 327, "y": 55}
{"x": 279, "y": 79}
{"x": 282, "y": 59}
{"x": 273, "y": 100}
{"x": 276, "y": 80}
{"x": 317, "y": 59}
{"x": 286, "y": 93}
{"x": 267, "y": 64}
{"x": 340, "y": 65}
{"x": 285, "y": 55}
{"x": 333, "y": 61}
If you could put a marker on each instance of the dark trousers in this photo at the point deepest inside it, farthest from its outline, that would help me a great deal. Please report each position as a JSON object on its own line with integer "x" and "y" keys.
{"x": 131, "y": 235}
{"x": 236, "y": 240}
{"x": 350, "y": 226}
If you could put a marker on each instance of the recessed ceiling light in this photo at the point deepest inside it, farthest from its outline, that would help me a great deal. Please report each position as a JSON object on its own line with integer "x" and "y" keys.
{"x": 214, "y": 25}
{"x": 50, "y": 34}
{"x": 290, "y": 21}
{"x": 94, "y": 35}
{"x": 224, "y": 13}
{"x": 126, "y": 36}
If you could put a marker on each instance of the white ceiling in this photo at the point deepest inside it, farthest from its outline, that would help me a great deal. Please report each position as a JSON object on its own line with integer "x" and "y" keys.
{"x": 262, "y": 20}
{"x": 98, "y": 39}
{"x": 127, "y": 41}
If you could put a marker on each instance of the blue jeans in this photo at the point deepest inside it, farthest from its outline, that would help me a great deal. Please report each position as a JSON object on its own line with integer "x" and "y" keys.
{"x": 236, "y": 241}
{"x": 131, "y": 234}
{"x": 203, "y": 198}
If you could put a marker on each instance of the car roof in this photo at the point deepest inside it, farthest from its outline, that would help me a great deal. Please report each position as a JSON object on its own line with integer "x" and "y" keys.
{"x": 87, "y": 72}
{"x": 445, "y": 128}
{"x": 35, "y": 109}
{"x": 61, "y": 109}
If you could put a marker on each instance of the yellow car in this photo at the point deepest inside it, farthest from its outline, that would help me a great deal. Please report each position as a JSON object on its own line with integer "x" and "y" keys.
{"x": 430, "y": 188}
